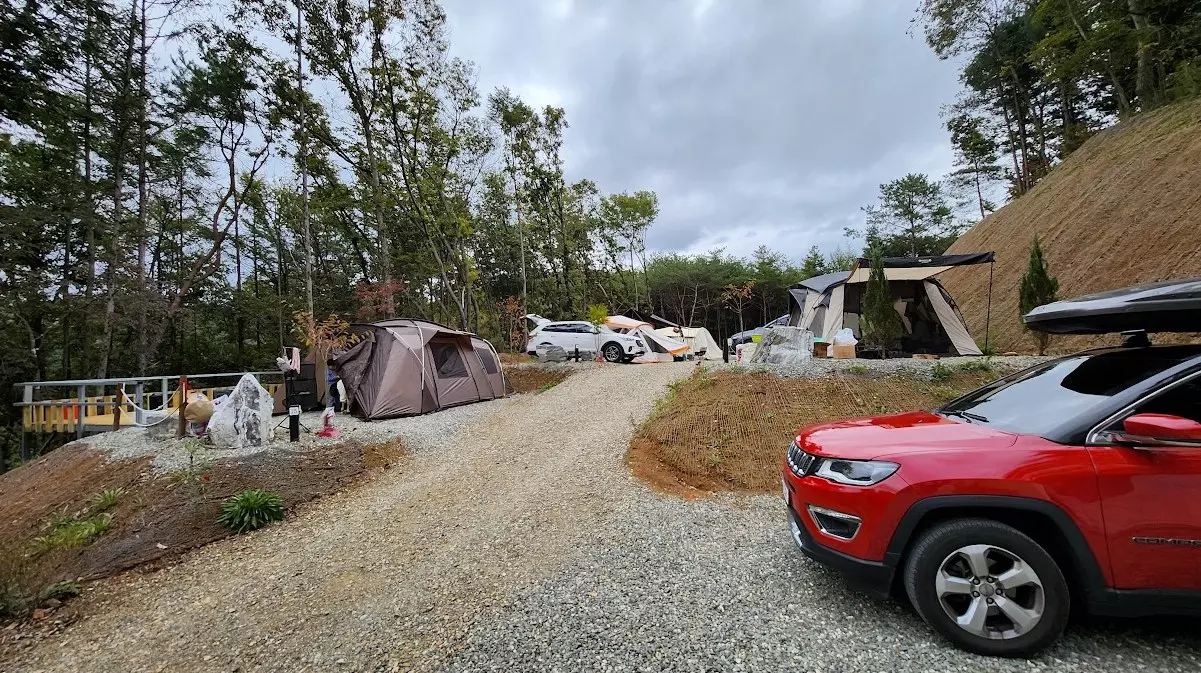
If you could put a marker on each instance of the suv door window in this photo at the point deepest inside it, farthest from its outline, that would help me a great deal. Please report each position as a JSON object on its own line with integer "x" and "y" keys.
{"x": 1184, "y": 400}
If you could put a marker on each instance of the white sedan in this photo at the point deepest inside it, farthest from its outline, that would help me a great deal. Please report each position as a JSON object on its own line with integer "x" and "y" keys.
{"x": 583, "y": 335}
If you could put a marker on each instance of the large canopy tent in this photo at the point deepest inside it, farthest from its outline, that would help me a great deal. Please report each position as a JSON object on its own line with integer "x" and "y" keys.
{"x": 659, "y": 347}
{"x": 698, "y": 339}
{"x": 404, "y": 367}
{"x": 932, "y": 322}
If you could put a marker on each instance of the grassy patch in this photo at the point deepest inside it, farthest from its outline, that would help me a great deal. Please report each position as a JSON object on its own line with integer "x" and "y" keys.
{"x": 68, "y": 530}
{"x": 728, "y": 430}
{"x": 250, "y": 510}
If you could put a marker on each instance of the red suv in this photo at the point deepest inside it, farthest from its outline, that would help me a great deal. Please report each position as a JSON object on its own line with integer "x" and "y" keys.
{"x": 1075, "y": 484}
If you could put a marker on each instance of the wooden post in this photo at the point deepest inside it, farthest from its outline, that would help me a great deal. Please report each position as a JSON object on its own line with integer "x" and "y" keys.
{"x": 166, "y": 399}
{"x": 183, "y": 406}
{"x": 117, "y": 417}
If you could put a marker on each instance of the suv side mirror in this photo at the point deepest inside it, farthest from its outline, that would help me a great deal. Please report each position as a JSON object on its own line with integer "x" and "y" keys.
{"x": 1160, "y": 430}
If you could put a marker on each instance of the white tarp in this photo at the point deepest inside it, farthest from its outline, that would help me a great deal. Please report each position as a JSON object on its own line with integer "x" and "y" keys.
{"x": 834, "y": 313}
{"x": 659, "y": 347}
{"x": 951, "y": 322}
{"x": 698, "y": 339}
{"x": 809, "y": 310}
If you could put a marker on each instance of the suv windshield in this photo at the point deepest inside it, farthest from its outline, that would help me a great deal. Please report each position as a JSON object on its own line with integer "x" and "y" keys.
{"x": 1040, "y": 399}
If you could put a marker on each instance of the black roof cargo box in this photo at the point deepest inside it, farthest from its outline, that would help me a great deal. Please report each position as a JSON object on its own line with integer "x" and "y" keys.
{"x": 1168, "y": 306}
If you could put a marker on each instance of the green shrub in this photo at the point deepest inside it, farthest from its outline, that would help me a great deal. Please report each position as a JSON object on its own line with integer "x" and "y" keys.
{"x": 61, "y": 590}
{"x": 106, "y": 499}
{"x": 984, "y": 366}
{"x": 251, "y": 509}
{"x": 940, "y": 372}
{"x": 68, "y": 530}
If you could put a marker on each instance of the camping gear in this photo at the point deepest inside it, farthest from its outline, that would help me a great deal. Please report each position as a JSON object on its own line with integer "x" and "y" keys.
{"x": 820, "y": 348}
{"x": 842, "y": 351}
{"x": 699, "y": 339}
{"x": 1169, "y": 306}
{"x": 845, "y": 337}
{"x": 659, "y": 346}
{"x": 932, "y": 323}
{"x": 244, "y": 419}
{"x": 404, "y": 367}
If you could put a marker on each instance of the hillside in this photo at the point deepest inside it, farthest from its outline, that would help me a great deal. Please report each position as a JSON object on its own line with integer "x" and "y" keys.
{"x": 1123, "y": 209}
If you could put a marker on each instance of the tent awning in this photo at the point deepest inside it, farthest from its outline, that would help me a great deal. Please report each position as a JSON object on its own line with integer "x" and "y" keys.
{"x": 861, "y": 274}
{"x": 932, "y": 260}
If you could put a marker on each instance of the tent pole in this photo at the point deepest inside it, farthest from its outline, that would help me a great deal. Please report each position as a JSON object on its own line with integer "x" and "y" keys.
{"x": 988, "y": 313}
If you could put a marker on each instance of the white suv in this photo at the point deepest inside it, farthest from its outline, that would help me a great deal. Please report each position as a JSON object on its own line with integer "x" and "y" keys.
{"x": 588, "y": 338}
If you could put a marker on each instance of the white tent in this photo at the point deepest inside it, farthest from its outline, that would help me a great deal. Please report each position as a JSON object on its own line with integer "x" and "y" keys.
{"x": 659, "y": 347}
{"x": 932, "y": 322}
{"x": 698, "y": 339}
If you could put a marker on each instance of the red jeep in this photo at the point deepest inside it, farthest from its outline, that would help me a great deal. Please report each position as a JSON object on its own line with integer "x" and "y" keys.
{"x": 1075, "y": 484}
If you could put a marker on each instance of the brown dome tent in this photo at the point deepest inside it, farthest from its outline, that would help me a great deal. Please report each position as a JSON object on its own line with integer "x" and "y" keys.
{"x": 404, "y": 367}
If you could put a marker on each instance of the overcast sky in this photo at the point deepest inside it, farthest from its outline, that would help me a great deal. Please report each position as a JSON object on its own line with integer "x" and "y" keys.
{"x": 755, "y": 121}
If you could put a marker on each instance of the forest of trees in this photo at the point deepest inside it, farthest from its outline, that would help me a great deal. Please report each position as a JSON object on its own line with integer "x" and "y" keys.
{"x": 1041, "y": 76}
{"x": 184, "y": 187}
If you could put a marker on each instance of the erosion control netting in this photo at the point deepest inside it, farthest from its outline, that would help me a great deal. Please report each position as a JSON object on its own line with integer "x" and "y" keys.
{"x": 727, "y": 431}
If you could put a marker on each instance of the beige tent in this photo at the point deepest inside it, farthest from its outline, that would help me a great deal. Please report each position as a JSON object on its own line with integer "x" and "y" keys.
{"x": 931, "y": 320}
{"x": 404, "y": 367}
{"x": 698, "y": 339}
{"x": 659, "y": 347}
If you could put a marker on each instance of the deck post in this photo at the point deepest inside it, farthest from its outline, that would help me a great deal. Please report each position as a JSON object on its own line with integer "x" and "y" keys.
{"x": 166, "y": 400}
{"x": 81, "y": 411}
{"x": 140, "y": 396}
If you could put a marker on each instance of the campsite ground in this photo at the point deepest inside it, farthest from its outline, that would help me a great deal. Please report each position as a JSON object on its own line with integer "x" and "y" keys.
{"x": 519, "y": 540}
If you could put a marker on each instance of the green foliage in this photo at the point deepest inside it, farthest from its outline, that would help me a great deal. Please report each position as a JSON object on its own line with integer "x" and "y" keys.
{"x": 598, "y": 313}
{"x": 106, "y": 499}
{"x": 941, "y": 372}
{"x": 251, "y": 509}
{"x": 881, "y": 324}
{"x": 1044, "y": 75}
{"x": 61, "y": 590}
{"x": 858, "y": 370}
{"x": 1038, "y": 287}
{"x": 66, "y": 531}
{"x": 984, "y": 365}
{"x": 912, "y": 218}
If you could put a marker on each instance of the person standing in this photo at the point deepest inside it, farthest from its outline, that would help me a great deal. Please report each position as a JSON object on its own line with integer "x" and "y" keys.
{"x": 332, "y": 399}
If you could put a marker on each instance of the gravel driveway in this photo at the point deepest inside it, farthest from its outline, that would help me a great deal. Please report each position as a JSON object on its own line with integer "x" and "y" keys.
{"x": 519, "y": 542}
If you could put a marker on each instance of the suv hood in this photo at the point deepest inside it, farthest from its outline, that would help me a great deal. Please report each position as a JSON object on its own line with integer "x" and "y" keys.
{"x": 912, "y": 432}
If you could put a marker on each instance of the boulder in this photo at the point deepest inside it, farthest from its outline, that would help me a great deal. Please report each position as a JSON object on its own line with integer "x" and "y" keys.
{"x": 244, "y": 419}
{"x": 552, "y": 354}
{"x": 784, "y": 346}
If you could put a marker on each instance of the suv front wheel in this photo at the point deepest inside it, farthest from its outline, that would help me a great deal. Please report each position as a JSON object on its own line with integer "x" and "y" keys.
{"x": 987, "y": 587}
{"x": 612, "y": 352}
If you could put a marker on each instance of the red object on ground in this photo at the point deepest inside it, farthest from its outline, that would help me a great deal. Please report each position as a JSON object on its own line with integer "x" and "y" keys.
{"x": 327, "y": 425}
{"x": 1075, "y": 484}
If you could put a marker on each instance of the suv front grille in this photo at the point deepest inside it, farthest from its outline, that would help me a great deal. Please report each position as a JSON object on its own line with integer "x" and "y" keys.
{"x": 799, "y": 462}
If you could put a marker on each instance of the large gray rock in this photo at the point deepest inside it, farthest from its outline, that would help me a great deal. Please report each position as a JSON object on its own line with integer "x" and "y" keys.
{"x": 784, "y": 346}
{"x": 244, "y": 419}
{"x": 552, "y": 354}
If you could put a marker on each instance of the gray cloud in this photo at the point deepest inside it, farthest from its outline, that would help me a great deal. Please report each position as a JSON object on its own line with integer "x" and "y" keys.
{"x": 756, "y": 121}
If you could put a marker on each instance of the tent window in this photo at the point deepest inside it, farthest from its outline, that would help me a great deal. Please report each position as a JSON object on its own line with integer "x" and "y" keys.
{"x": 488, "y": 359}
{"x": 447, "y": 360}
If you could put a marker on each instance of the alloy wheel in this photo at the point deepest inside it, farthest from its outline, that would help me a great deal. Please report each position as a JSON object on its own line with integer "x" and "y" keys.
{"x": 613, "y": 353}
{"x": 990, "y": 592}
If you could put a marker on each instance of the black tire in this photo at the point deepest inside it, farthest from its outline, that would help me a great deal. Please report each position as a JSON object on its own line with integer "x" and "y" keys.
{"x": 941, "y": 547}
{"x": 612, "y": 352}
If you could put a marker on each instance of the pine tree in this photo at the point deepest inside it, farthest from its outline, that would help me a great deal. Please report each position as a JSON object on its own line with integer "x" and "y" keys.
{"x": 881, "y": 322}
{"x": 1038, "y": 287}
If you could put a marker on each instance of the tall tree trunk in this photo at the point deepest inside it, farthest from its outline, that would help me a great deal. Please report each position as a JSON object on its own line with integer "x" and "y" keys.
{"x": 1144, "y": 82}
{"x": 304, "y": 169}
{"x": 118, "y": 170}
{"x": 143, "y": 101}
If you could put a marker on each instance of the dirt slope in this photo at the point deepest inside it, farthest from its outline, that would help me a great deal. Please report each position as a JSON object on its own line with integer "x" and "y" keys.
{"x": 1125, "y": 208}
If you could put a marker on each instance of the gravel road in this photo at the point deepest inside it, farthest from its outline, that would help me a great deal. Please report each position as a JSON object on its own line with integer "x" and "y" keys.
{"x": 519, "y": 542}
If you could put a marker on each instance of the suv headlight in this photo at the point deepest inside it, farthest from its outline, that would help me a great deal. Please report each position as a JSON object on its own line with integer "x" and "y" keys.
{"x": 855, "y": 472}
